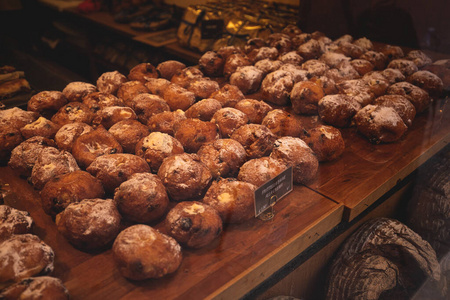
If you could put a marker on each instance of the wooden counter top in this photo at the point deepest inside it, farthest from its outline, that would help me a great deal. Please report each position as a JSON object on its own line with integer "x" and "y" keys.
{"x": 366, "y": 171}
{"x": 237, "y": 262}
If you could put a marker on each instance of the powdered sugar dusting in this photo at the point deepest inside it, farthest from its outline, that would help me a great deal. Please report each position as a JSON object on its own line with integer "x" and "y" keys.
{"x": 159, "y": 141}
{"x": 194, "y": 209}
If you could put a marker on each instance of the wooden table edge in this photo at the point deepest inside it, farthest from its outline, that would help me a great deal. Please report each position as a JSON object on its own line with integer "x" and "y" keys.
{"x": 353, "y": 212}
{"x": 273, "y": 261}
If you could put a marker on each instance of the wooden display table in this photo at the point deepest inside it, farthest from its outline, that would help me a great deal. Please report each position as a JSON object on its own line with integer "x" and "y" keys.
{"x": 239, "y": 260}
{"x": 366, "y": 171}
{"x": 247, "y": 254}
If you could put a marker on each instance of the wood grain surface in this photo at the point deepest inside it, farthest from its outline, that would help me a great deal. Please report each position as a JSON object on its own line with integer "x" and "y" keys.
{"x": 238, "y": 261}
{"x": 367, "y": 171}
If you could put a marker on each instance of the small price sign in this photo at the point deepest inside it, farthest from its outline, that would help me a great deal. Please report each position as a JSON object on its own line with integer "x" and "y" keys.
{"x": 273, "y": 190}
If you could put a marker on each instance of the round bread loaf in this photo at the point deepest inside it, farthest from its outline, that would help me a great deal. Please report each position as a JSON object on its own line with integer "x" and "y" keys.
{"x": 142, "y": 198}
{"x": 232, "y": 199}
{"x": 24, "y": 255}
{"x": 193, "y": 224}
{"x": 69, "y": 188}
{"x": 141, "y": 252}
{"x": 185, "y": 177}
{"x": 89, "y": 224}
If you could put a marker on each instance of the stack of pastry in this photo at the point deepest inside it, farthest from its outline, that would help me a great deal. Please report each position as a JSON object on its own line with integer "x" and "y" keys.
{"x": 203, "y": 138}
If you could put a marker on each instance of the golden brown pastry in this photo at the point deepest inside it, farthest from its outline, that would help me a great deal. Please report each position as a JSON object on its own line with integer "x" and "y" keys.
{"x": 334, "y": 59}
{"x": 325, "y": 141}
{"x": 113, "y": 169}
{"x": 193, "y": 224}
{"x": 69, "y": 188}
{"x": 203, "y": 88}
{"x": 291, "y": 57}
{"x": 380, "y": 124}
{"x": 76, "y": 90}
{"x": 42, "y": 287}
{"x": 363, "y": 66}
{"x": 203, "y": 109}
{"x": 228, "y": 119}
{"x": 211, "y": 64}
{"x": 155, "y": 147}
{"x": 364, "y": 43}
{"x": 89, "y": 146}
{"x": 293, "y": 151}
{"x": 98, "y": 100}
{"x": 73, "y": 112}
{"x": 109, "y": 82}
{"x": 417, "y": 96}
{"x": 50, "y": 163}
{"x": 258, "y": 171}
{"x": 254, "y": 43}
{"x": 185, "y": 76}
{"x": 310, "y": 49}
{"x": 142, "y": 198}
{"x": 24, "y": 156}
{"x": 255, "y": 110}
{"x": 178, "y": 97}
{"x": 89, "y": 224}
{"x": 268, "y": 66}
{"x": 141, "y": 252}
{"x": 393, "y": 75}
{"x": 130, "y": 89}
{"x": 300, "y": 39}
{"x": 14, "y": 221}
{"x": 232, "y": 199}
{"x": 229, "y": 50}
{"x": 264, "y": 52}
{"x": 185, "y": 177}
{"x": 378, "y": 59}
{"x": 157, "y": 86}
{"x": 166, "y": 122}
{"x": 47, "y": 103}
{"x": 228, "y": 95}
{"x": 68, "y": 133}
{"x": 168, "y": 68}
{"x": 41, "y": 127}
{"x": 427, "y": 81}
{"x": 276, "y": 87}
{"x": 407, "y": 67}
{"x": 377, "y": 82}
{"x": 402, "y": 106}
{"x": 146, "y": 105}
{"x": 110, "y": 115}
{"x": 291, "y": 30}
{"x": 419, "y": 58}
{"x": 305, "y": 96}
{"x": 392, "y": 52}
{"x": 128, "y": 133}
{"x": 233, "y": 62}
{"x": 338, "y": 110}
{"x": 328, "y": 85}
{"x": 282, "y": 123}
{"x": 24, "y": 255}
{"x": 280, "y": 41}
{"x": 350, "y": 49}
{"x": 344, "y": 71}
{"x": 223, "y": 157}
{"x": 257, "y": 139}
{"x": 248, "y": 79}
{"x": 359, "y": 90}
{"x": 298, "y": 74}
{"x": 315, "y": 67}
{"x": 142, "y": 71}
{"x": 193, "y": 133}
{"x": 16, "y": 117}
{"x": 10, "y": 138}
